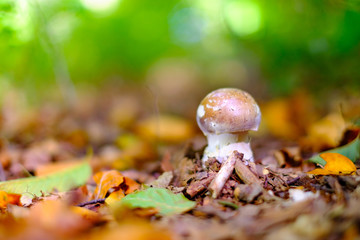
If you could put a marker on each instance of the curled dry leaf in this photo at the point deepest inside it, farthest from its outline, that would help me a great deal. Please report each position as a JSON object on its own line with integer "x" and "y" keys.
{"x": 130, "y": 185}
{"x": 336, "y": 164}
{"x": 105, "y": 181}
{"x": 113, "y": 179}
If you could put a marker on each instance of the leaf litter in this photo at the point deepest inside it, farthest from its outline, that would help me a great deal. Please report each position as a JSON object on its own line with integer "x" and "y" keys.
{"x": 143, "y": 184}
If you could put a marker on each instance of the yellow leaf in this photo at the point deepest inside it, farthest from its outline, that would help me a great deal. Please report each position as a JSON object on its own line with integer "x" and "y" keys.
{"x": 165, "y": 128}
{"x": 135, "y": 148}
{"x": 336, "y": 164}
{"x": 114, "y": 197}
{"x": 325, "y": 133}
{"x": 3, "y": 199}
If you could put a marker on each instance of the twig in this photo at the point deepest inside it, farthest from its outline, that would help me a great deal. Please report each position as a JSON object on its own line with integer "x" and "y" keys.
{"x": 95, "y": 201}
{"x": 223, "y": 175}
{"x": 292, "y": 181}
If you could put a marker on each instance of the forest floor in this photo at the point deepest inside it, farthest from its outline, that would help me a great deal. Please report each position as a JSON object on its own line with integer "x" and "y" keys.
{"x": 106, "y": 168}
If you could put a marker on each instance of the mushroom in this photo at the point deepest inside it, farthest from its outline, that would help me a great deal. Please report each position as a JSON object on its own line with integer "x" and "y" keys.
{"x": 225, "y": 116}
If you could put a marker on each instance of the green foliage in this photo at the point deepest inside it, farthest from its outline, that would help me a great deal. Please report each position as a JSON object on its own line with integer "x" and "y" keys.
{"x": 166, "y": 202}
{"x": 350, "y": 150}
{"x": 61, "y": 181}
{"x": 311, "y": 44}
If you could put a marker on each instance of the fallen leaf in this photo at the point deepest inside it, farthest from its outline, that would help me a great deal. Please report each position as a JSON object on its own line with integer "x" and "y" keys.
{"x": 135, "y": 148}
{"x": 132, "y": 230}
{"x": 131, "y": 185}
{"x": 325, "y": 133}
{"x": 8, "y": 198}
{"x": 58, "y": 218}
{"x": 289, "y": 117}
{"x": 86, "y": 213}
{"x": 47, "y": 169}
{"x": 163, "y": 180}
{"x": 114, "y": 197}
{"x": 105, "y": 181}
{"x": 336, "y": 164}
{"x": 165, "y": 128}
{"x": 277, "y": 113}
{"x": 350, "y": 150}
{"x": 165, "y": 201}
{"x": 61, "y": 181}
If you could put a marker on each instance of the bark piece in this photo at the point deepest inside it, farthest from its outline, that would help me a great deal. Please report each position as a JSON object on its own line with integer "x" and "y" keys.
{"x": 223, "y": 175}
{"x": 244, "y": 173}
{"x": 248, "y": 193}
{"x": 199, "y": 186}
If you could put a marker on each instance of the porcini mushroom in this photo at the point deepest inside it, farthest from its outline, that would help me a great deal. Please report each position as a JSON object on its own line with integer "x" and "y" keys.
{"x": 225, "y": 116}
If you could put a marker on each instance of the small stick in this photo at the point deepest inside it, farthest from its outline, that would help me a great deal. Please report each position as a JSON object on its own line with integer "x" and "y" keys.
{"x": 223, "y": 175}
{"x": 95, "y": 201}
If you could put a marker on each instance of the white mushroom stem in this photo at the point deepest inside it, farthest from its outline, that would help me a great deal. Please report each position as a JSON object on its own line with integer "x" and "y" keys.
{"x": 221, "y": 146}
{"x": 222, "y": 176}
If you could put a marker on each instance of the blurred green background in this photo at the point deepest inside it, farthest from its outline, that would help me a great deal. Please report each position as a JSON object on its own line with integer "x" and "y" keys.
{"x": 271, "y": 47}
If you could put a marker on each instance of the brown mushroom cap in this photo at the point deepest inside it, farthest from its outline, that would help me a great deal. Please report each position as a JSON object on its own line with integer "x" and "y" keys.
{"x": 228, "y": 110}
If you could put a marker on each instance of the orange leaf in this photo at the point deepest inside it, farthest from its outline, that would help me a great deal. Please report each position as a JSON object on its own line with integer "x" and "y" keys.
{"x": 336, "y": 164}
{"x": 14, "y": 199}
{"x": 105, "y": 181}
{"x": 9, "y": 198}
{"x": 86, "y": 213}
{"x": 131, "y": 185}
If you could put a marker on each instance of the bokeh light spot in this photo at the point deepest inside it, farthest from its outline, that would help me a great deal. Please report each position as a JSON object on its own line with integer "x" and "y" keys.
{"x": 187, "y": 26}
{"x": 100, "y": 5}
{"x": 243, "y": 16}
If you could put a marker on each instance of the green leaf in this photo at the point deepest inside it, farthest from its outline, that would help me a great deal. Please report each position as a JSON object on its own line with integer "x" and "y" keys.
{"x": 350, "y": 150}
{"x": 62, "y": 181}
{"x": 165, "y": 201}
{"x": 228, "y": 204}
